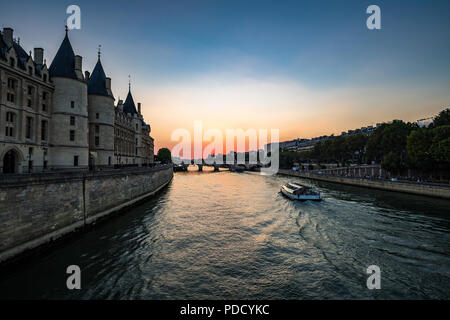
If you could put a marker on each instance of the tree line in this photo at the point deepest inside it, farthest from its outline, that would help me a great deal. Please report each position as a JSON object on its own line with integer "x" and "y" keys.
{"x": 398, "y": 146}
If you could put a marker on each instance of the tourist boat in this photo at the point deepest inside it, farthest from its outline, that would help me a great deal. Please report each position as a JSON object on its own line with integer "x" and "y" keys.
{"x": 297, "y": 191}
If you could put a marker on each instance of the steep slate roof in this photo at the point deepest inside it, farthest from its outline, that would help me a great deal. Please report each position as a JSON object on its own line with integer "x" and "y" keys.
{"x": 97, "y": 81}
{"x": 129, "y": 106}
{"x": 63, "y": 65}
{"x": 21, "y": 54}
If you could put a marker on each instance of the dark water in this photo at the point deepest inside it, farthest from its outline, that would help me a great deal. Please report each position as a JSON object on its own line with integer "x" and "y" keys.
{"x": 232, "y": 235}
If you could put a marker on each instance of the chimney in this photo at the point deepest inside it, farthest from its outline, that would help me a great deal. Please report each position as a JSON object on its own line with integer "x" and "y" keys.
{"x": 8, "y": 36}
{"x": 78, "y": 60}
{"x": 139, "y": 107}
{"x": 87, "y": 75}
{"x": 108, "y": 83}
{"x": 38, "y": 55}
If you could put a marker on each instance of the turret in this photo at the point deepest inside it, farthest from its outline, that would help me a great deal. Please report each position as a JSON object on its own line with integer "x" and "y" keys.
{"x": 69, "y": 110}
{"x": 101, "y": 116}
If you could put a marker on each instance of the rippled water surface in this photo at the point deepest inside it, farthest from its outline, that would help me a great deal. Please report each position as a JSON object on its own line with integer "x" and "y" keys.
{"x": 233, "y": 236}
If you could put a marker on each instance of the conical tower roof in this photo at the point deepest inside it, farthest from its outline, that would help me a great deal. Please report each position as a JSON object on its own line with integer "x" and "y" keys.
{"x": 129, "y": 106}
{"x": 97, "y": 81}
{"x": 63, "y": 65}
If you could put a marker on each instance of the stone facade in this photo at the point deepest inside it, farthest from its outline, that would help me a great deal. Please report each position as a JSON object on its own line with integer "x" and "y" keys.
{"x": 133, "y": 143}
{"x": 36, "y": 209}
{"x": 59, "y": 118}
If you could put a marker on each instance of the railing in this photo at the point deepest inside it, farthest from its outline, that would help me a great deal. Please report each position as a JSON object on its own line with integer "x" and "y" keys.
{"x": 403, "y": 180}
{"x": 83, "y": 172}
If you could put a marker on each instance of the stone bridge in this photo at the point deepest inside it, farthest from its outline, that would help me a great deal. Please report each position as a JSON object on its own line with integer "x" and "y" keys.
{"x": 231, "y": 167}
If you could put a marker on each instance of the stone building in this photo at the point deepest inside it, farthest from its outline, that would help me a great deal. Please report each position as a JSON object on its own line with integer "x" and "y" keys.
{"x": 133, "y": 142}
{"x": 59, "y": 118}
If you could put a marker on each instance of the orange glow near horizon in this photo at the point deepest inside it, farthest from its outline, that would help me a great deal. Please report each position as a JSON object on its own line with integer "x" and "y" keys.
{"x": 296, "y": 111}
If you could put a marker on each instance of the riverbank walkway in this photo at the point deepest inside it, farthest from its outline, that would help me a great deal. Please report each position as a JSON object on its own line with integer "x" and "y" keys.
{"x": 438, "y": 190}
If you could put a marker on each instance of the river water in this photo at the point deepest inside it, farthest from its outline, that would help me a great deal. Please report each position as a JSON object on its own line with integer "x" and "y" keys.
{"x": 233, "y": 236}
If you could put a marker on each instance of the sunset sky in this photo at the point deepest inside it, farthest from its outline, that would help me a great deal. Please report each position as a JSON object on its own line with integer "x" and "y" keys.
{"x": 308, "y": 68}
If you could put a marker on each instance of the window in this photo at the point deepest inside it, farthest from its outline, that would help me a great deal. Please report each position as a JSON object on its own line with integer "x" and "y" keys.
{"x": 9, "y": 129}
{"x": 72, "y": 120}
{"x": 44, "y": 131}
{"x": 72, "y": 104}
{"x": 97, "y": 129}
{"x": 75, "y": 161}
{"x": 109, "y": 161}
{"x": 97, "y": 141}
{"x": 29, "y": 127}
{"x": 97, "y": 116}
{"x": 72, "y": 135}
{"x": 30, "y": 151}
{"x": 29, "y": 103}
{"x": 44, "y": 95}
{"x": 30, "y": 71}
{"x": 30, "y": 90}
{"x": 45, "y": 78}
{"x": 12, "y": 62}
{"x": 11, "y": 83}
{"x": 10, "y": 97}
{"x": 44, "y": 107}
{"x": 45, "y": 164}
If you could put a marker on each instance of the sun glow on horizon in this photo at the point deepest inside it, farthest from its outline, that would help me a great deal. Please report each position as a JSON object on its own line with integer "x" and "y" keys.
{"x": 296, "y": 110}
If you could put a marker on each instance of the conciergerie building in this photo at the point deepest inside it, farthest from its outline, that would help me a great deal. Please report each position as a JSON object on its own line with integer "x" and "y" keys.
{"x": 57, "y": 117}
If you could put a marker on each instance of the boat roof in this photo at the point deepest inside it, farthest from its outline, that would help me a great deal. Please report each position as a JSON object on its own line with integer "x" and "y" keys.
{"x": 288, "y": 189}
{"x": 296, "y": 185}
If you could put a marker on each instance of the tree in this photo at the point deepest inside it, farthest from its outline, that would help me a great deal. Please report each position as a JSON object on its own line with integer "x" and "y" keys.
{"x": 164, "y": 155}
{"x": 442, "y": 119}
{"x": 392, "y": 162}
{"x": 390, "y": 138}
{"x": 428, "y": 150}
{"x": 441, "y": 152}
{"x": 418, "y": 148}
{"x": 355, "y": 145}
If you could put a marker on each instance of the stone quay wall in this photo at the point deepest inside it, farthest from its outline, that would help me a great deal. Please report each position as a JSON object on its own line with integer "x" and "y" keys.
{"x": 38, "y": 208}
{"x": 438, "y": 191}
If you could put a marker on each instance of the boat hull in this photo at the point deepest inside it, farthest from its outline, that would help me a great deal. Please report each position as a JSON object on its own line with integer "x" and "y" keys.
{"x": 291, "y": 196}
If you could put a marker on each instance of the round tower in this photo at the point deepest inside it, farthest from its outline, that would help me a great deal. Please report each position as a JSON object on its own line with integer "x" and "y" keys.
{"x": 69, "y": 122}
{"x": 101, "y": 117}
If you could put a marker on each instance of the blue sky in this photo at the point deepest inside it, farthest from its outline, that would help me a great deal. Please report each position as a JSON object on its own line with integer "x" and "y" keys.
{"x": 319, "y": 46}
